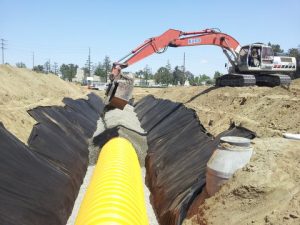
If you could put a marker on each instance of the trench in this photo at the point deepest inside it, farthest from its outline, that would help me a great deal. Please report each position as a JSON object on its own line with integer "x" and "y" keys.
{"x": 172, "y": 146}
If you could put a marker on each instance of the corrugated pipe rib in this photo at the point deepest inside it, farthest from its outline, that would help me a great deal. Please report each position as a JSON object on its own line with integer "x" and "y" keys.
{"x": 115, "y": 194}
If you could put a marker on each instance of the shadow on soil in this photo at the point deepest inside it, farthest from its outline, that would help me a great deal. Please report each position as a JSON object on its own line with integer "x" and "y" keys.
{"x": 201, "y": 93}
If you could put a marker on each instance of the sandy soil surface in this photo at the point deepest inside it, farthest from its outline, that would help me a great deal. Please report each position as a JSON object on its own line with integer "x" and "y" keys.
{"x": 267, "y": 111}
{"x": 23, "y": 89}
{"x": 267, "y": 190}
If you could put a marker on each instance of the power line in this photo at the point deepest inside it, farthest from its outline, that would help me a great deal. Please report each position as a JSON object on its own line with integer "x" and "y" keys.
{"x": 2, "y": 48}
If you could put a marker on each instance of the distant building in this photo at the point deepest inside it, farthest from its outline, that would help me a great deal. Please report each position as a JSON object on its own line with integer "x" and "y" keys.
{"x": 142, "y": 82}
{"x": 187, "y": 83}
{"x": 79, "y": 77}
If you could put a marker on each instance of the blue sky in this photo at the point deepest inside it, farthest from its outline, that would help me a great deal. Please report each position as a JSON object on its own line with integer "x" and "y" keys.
{"x": 62, "y": 31}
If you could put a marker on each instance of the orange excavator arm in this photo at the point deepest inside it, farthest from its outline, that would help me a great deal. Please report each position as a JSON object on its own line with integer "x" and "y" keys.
{"x": 176, "y": 38}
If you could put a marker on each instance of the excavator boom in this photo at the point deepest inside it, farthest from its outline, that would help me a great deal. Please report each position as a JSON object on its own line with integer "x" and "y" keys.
{"x": 176, "y": 38}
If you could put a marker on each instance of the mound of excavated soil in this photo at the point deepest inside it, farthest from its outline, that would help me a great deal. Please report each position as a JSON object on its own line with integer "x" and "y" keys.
{"x": 267, "y": 111}
{"x": 267, "y": 190}
{"x": 23, "y": 89}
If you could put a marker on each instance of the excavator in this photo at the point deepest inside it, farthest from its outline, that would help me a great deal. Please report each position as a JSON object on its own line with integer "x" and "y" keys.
{"x": 253, "y": 64}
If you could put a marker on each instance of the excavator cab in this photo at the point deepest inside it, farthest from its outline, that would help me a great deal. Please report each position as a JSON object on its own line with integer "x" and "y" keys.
{"x": 258, "y": 60}
{"x": 255, "y": 57}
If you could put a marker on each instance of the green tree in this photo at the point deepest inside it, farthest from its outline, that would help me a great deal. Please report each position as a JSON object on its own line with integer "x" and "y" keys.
{"x": 106, "y": 66}
{"x": 47, "y": 67}
{"x": 203, "y": 78}
{"x": 140, "y": 74}
{"x": 38, "y": 69}
{"x": 210, "y": 82}
{"x": 295, "y": 52}
{"x": 276, "y": 48}
{"x": 197, "y": 81}
{"x": 169, "y": 67}
{"x": 20, "y": 65}
{"x": 178, "y": 76}
{"x": 189, "y": 75}
{"x": 147, "y": 74}
{"x": 217, "y": 75}
{"x": 192, "y": 81}
{"x": 163, "y": 76}
{"x": 55, "y": 68}
{"x": 100, "y": 71}
{"x": 88, "y": 66}
{"x": 68, "y": 71}
{"x": 86, "y": 71}
{"x": 191, "y": 78}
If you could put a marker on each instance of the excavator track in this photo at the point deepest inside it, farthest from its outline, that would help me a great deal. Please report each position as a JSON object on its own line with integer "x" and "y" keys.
{"x": 235, "y": 80}
{"x": 272, "y": 80}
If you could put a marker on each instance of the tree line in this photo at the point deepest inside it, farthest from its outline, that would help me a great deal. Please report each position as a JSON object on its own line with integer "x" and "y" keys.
{"x": 165, "y": 75}
{"x": 68, "y": 71}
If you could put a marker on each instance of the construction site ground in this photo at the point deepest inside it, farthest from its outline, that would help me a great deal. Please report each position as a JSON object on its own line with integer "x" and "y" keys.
{"x": 266, "y": 191}
{"x": 22, "y": 89}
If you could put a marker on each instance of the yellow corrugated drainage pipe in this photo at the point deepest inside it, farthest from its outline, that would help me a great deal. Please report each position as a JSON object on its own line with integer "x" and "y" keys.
{"x": 115, "y": 194}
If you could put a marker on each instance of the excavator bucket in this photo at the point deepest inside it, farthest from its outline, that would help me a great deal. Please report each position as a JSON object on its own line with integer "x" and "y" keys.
{"x": 118, "y": 94}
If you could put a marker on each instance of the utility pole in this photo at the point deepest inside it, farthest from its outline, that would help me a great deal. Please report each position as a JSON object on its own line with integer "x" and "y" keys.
{"x": 184, "y": 65}
{"x": 2, "y": 48}
{"x": 89, "y": 63}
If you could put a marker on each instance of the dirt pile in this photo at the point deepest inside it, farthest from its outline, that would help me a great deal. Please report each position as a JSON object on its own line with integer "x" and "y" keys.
{"x": 23, "y": 89}
{"x": 267, "y": 111}
{"x": 267, "y": 190}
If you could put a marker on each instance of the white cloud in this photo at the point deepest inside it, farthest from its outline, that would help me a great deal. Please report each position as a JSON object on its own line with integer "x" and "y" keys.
{"x": 203, "y": 61}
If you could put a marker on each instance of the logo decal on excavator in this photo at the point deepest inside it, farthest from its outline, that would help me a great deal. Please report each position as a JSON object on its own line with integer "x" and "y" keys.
{"x": 193, "y": 41}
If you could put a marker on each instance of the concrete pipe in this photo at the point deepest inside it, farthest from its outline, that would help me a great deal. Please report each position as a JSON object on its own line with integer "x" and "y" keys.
{"x": 115, "y": 194}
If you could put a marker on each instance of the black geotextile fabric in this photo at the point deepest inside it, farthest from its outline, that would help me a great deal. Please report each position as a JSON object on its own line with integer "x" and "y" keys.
{"x": 146, "y": 111}
{"x": 32, "y": 191}
{"x": 179, "y": 149}
{"x": 39, "y": 183}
